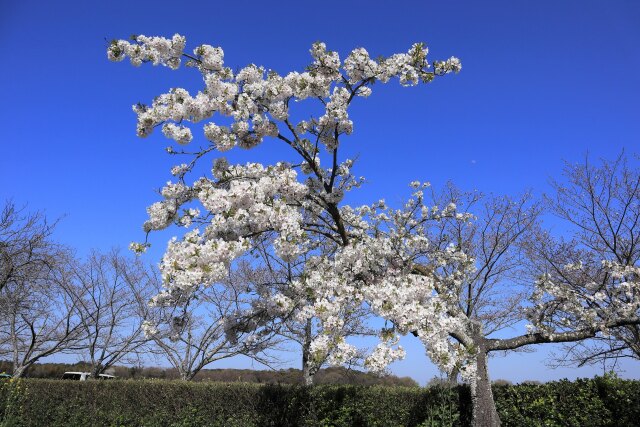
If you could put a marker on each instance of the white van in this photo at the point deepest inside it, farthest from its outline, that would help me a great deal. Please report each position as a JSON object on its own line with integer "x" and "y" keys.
{"x": 78, "y": 376}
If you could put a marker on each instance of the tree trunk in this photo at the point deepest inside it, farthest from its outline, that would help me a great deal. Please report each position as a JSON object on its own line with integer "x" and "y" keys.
{"x": 18, "y": 371}
{"x": 307, "y": 374}
{"x": 308, "y": 371}
{"x": 452, "y": 378}
{"x": 96, "y": 370}
{"x": 186, "y": 375}
{"x": 484, "y": 412}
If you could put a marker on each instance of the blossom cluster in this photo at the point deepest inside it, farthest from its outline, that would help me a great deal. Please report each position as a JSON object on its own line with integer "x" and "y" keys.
{"x": 157, "y": 50}
{"x": 355, "y": 257}
{"x": 257, "y": 100}
{"x": 379, "y": 269}
{"x": 585, "y": 297}
{"x": 242, "y": 201}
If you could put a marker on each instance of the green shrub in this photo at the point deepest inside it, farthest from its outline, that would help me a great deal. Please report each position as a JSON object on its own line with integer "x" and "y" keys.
{"x": 561, "y": 403}
{"x": 603, "y": 401}
{"x": 621, "y": 397}
{"x": 13, "y": 396}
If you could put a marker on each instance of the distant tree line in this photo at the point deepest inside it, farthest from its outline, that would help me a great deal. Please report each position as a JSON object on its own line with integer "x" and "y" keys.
{"x": 330, "y": 375}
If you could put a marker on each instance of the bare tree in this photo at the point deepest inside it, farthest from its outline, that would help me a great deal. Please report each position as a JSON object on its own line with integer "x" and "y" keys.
{"x": 26, "y": 247}
{"x": 38, "y": 315}
{"x": 213, "y": 323}
{"x": 109, "y": 289}
{"x": 602, "y": 205}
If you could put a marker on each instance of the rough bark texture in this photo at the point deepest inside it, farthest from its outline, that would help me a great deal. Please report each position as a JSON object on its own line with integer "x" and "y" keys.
{"x": 484, "y": 408}
{"x": 307, "y": 375}
{"x": 308, "y": 371}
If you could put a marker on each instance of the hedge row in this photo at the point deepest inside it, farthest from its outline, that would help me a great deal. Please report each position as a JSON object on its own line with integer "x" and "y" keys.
{"x": 603, "y": 401}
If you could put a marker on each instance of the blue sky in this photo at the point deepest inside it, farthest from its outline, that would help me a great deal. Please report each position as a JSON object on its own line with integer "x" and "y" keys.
{"x": 542, "y": 82}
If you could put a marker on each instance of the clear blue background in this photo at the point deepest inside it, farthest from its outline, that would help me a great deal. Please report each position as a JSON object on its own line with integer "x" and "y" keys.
{"x": 542, "y": 81}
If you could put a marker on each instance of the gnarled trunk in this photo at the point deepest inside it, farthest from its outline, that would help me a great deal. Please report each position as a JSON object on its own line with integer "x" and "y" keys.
{"x": 484, "y": 407}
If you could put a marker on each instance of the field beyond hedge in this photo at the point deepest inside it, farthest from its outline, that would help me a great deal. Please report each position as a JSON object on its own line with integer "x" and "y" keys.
{"x": 602, "y": 401}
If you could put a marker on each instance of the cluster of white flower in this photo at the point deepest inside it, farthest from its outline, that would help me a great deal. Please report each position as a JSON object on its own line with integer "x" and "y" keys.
{"x": 179, "y": 170}
{"x": 280, "y": 304}
{"x": 252, "y": 199}
{"x": 379, "y": 269}
{"x": 585, "y": 297}
{"x": 178, "y": 106}
{"x": 451, "y": 65}
{"x": 320, "y": 347}
{"x": 149, "y": 329}
{"x": 332, "y": 348}
{"x": 244, "y": 201}
{"x": 410, "y": 67}
{"x": 164, "y": 213}
{"x": 212, "y": 58}
{"x": 326, "y": 62}
{"x": 257, "y": 103}
{"x": 180, "y": 134}
{"x": 157, "y": 50}
{"x": 138, "y": 248}
{"x": 359, "y": 66}
{"x": 161, "y": 214}
{"x": 355, "y": 256}
{"x": 382, "y": 356}
{"x": 195, "y": 260}
{"x": 335, "y": 121}
{"x": 342, "y": 353}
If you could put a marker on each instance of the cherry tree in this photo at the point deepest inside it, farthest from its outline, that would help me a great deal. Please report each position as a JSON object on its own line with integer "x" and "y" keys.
{"x": 368, "y": 255}
{"x": 492, "y": 296}
{"x": 567, "y": 291}
{"x": 26, "y": 247}
{"x": 37, "y": 309}
{"x": 372, "y": 256}
{"x": 298, "y": 202}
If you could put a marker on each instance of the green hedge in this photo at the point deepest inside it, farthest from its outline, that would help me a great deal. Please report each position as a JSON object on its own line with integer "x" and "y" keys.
{"x": 603, "y": 401}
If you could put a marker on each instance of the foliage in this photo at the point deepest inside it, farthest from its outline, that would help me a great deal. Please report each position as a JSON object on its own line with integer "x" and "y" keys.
{"x": 563, "y": 403}
{"x": 602, "y": 401}
{"x": 13, "y": 396}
